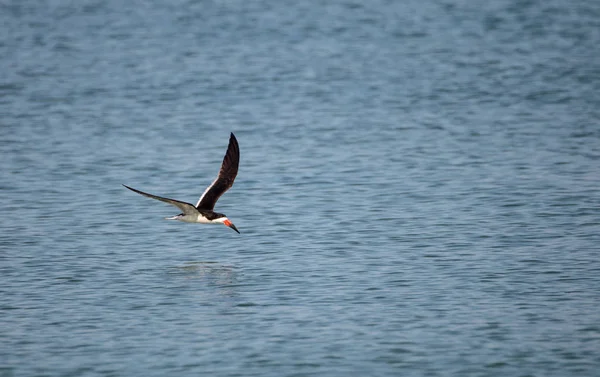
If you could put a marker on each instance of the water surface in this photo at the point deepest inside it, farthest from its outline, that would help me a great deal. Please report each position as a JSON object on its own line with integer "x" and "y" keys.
{"x": 417, "y": 195}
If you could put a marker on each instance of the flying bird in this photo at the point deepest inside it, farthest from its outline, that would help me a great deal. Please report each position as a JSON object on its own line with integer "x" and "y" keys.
{"x": 203, "y": 212}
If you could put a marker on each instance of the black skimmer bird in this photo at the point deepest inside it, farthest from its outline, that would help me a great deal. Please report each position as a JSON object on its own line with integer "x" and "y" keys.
{"x": 203, "y": 212}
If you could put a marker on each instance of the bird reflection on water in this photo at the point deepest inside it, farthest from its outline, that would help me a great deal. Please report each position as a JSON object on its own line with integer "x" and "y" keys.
{"x": 213, "y": 273}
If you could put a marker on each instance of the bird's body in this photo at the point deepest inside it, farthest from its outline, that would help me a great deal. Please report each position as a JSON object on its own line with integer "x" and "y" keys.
{"x": 203, "y": 218}
{"x": 203, "y": 212}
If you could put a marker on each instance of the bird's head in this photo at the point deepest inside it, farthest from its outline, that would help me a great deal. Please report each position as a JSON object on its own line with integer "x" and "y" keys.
{"x": 226, "y": 222}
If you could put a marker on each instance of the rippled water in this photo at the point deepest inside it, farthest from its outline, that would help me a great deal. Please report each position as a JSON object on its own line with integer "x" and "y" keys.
{"x": 418, "y": 192}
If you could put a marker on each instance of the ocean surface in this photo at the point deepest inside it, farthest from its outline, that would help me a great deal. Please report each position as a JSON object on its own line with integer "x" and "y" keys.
{"x": 418, "y": 192}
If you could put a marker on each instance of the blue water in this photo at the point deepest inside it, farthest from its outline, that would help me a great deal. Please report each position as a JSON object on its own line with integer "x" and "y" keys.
{"x": 418, "y": 194}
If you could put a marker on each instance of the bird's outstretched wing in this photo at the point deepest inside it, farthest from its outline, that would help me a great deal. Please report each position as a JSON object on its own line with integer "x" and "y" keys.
{"x": 186, "y": 208}
{"x": 225, "y": 179}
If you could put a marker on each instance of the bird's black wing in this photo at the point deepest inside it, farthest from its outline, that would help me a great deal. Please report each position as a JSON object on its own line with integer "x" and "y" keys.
{"x": 225, "y": 179}
{"x": 186, "y": 208}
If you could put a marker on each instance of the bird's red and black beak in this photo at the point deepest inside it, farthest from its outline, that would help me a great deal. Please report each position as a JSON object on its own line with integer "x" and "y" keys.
{"x": 230, "y": 224}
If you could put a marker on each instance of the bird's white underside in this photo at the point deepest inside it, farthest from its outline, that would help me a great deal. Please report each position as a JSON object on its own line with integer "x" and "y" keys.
{"x": 197, "y": 219}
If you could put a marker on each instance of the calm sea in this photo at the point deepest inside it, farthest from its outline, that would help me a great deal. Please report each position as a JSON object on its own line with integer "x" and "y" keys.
{"x": 418, "y": 194}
